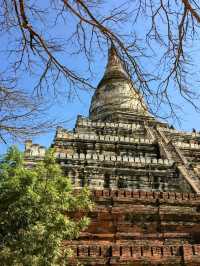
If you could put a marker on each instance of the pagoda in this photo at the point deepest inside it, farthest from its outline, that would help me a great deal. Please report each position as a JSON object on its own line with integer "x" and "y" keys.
{"x": 144, "y": 177}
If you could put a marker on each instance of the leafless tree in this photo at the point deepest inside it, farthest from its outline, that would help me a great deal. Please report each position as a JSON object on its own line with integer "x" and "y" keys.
{"x": 20, "y": 116}
{"x": 43, "y": 36}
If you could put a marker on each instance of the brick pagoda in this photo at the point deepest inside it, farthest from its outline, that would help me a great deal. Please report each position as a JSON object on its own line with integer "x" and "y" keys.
{"x": 144, "y": 178}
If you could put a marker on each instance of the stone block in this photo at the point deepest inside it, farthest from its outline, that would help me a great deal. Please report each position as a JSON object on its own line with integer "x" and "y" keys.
{"x": 94, "y": 156}
{"x": 107, "y": 157}
{"x": 112, "y": 138}
{"x": 28, "y": 144}
{"x": 148, "y": 160}
{"x": 92, "y": 137}
{"x": 82, "y": 156}
{"x": 69, "y": 156}
{"x": 137, "y": 160}
{"x": 142, "y": 159}
{"x": 157, "y": 251}
{"x": 94, "y": 251}
{"x": 119, "y": 158}
{"x": 146, "y": 251}
{"x": 62, "y": 155}
{"x": 125, "y": 158}
{"x": 88, "y": 156}
{"x": 167, "y": 251}
{"x": 113, "y": 158}
{"x": 197, "y": 249}
{"x": 131, "y": 159}
{"x": 84, "y": 136}
{"x": 116, "y": 251}
{"x": 76, "y": 156}
{"x": 101, "y": 157}
{"x": 42, "y": 151}
{"x": 125, "y": 251}
{"x": 107, "y": 138}
{"x": 34, "y": 149}
{"x": 83, "y": 251}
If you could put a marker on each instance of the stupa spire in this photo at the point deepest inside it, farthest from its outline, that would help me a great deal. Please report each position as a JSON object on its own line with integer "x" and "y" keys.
{"x": 115, "y": 66}
{"x": 115, "y": 97}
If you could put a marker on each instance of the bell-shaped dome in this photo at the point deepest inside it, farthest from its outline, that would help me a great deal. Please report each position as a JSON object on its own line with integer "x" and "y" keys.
{"x": 115, "y": 94}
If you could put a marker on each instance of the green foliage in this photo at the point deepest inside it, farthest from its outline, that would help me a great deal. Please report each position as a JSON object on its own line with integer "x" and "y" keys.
{"x": 33, "y": 211}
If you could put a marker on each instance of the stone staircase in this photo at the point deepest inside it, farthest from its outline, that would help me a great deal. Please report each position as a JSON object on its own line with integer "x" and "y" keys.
{"x": 192, "y": 179}
{"x": 171, "y": 152}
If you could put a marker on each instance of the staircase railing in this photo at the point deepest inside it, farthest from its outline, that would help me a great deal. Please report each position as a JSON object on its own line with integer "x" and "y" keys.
{"x": 171, "y": 151}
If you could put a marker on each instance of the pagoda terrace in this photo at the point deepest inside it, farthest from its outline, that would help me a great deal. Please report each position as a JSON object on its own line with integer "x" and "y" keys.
{"x": 143, "y": 175}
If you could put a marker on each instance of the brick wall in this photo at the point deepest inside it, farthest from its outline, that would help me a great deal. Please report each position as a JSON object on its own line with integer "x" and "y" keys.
{"x": 140, "y": 228}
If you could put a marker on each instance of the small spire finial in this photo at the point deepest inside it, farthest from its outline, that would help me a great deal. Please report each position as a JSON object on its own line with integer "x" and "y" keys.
{"x": 113, "y": 58}
{"x": 112, "y": 49}
{"x": 115, "y": 65}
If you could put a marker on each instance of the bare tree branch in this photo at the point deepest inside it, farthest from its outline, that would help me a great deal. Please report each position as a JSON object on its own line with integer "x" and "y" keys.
{"x": 45, "y": 38}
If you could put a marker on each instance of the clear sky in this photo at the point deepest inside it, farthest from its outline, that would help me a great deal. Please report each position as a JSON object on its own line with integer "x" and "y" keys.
{"x": 68, "y": 110}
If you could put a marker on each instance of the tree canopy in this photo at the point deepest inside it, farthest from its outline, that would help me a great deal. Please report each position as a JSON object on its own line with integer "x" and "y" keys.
{"x": 34, "y": 207}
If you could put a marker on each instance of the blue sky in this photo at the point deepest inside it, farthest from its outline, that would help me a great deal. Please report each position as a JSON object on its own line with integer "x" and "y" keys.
{"x": 69, "y": 110}
{"x": 63, "y": 109}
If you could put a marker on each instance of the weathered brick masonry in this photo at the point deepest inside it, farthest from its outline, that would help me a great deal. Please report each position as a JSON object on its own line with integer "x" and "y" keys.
{"x": 143, "y": 174}
{"x": 141, "y": 228}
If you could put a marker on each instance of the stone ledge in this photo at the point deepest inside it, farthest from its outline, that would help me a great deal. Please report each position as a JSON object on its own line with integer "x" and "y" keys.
{"x": 180, "y": 132}
{"x": 110, "y": 138}
{"x": 187, "y": 145}
{"x": 134, "y": 253}
{"x": 102, "y": 157}
{"x": 86, "y": 122}
{"x": 130, "y": 194}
